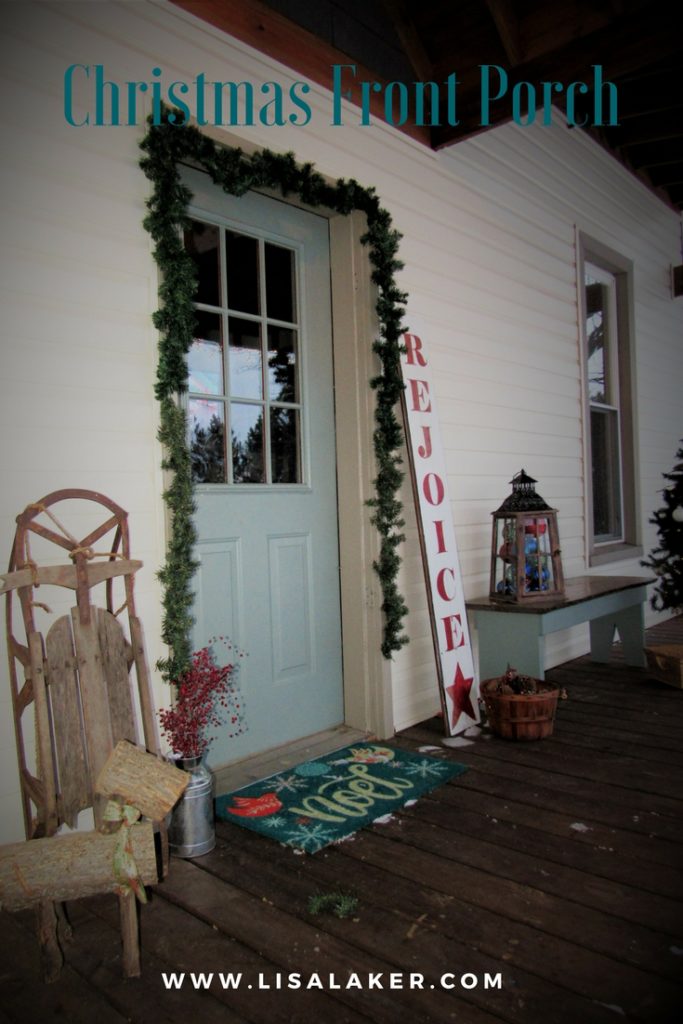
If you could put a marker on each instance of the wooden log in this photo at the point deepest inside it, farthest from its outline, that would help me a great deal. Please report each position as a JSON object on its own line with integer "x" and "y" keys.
{"x": 133, "y": 776}
{"x": 70, "y": 866}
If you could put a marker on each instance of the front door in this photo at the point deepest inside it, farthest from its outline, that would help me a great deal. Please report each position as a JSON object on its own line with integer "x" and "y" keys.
{"x": 261, "y": 419}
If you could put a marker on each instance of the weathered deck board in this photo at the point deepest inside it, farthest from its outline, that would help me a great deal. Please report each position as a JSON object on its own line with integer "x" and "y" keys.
{"x": 608, "y": 853}
{"x": 173, "y": 940}
{"x": 425, "y": 910}
{"x": 25, "y": 997}
{"x": 405, "y": 940}
{"x": 558, "y": 864}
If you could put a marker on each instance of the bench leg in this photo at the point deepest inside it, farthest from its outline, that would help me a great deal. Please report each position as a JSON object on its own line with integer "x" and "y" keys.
{"x": 630, "y": 624}
{"x": 509, "y": 639}
{"x": 602, "y": 637}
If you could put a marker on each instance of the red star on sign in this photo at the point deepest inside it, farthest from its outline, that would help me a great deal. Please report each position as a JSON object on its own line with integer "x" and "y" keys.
{"x": 459, "y": 692}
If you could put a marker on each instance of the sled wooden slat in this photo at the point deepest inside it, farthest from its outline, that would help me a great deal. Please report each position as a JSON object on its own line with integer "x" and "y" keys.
{"x": 113, "y": 652}
{"x": 72, "y": 768}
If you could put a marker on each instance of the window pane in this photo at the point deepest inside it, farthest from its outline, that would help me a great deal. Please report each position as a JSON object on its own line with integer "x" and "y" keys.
{"x": 246, "y": 359}
{"x": 280, "y": 298}
{"x": 284, "y": 446}
{"x": 207, "y": 440}
{"x": 201, "y": 242}
{"x": 282, "y": 364}
{"x": 606, "y": 475}
{"x": 246, "y": 423}
{"x": 241, "y": 260}
{"x": 205, "y": 358}
{"x": 596, "y": 338}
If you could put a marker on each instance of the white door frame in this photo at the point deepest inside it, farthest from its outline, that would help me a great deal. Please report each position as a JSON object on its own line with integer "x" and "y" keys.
{"x": 368, "y": 703}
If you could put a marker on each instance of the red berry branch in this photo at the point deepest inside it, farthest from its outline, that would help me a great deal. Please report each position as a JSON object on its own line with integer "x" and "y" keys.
{"x": 207, "y": 698}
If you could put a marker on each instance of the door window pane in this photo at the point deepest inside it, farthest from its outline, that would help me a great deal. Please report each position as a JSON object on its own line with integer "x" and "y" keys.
{"x": 246, "y": 359}
{"x": 280, "y": 290}
{"x": 207, "y": 440}
{"x": 285, "y": 446}
{"x": 244, "y": 383}
{"x": 201, "y": 242}
{"x": 205, "y": 359}
{"x": 241, "y": 265}
{"x": 246, "y": 423}
{"x": 282, "y": 364}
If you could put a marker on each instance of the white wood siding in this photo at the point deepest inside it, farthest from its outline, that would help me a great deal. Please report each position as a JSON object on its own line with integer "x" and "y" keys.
{"x": 489, "y": 247}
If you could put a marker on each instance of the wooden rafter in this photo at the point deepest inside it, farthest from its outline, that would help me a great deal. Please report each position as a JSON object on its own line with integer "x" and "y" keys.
{"x": 507, "y": 25}
{"x": 410, "y": 40}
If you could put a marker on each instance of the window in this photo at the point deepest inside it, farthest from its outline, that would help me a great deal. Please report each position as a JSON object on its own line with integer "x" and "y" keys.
{"x": 244, "y": 362}
{"x": 608, "y": 385}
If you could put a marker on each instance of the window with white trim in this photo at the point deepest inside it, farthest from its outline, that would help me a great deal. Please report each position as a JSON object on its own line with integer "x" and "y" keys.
{"x": 611, "y": 518}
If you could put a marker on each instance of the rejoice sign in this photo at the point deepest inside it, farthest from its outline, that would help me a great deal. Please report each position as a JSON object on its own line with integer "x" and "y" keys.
{"x": 440, "y": 554}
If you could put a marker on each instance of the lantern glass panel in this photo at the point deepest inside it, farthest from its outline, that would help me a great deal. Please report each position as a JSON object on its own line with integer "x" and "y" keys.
{"x": 504, "y": 582}
{"x": 538, "y": 568}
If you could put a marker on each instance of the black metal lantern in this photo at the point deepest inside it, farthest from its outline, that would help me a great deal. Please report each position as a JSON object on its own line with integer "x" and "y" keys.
{"x": 525, "y": 550}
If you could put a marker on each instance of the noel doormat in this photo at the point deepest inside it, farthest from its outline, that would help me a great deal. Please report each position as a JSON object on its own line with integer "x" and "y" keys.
{"x": 324, "y": 800}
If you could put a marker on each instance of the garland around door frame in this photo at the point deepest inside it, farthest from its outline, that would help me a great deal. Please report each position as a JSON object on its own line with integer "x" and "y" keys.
{"x": 166, "y": 146}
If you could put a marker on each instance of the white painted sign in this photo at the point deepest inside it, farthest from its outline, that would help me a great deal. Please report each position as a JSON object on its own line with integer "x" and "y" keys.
{"x": 458, "y": 688}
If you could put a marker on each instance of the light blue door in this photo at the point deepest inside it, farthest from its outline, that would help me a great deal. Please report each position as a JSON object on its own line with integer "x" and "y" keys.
{"x": 261, "y": 415}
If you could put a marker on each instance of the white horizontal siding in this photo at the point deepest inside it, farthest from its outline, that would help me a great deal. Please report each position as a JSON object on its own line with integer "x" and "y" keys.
{"x": 489, "y": 252}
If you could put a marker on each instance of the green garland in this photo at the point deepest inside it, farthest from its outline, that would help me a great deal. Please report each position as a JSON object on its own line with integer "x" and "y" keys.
{"x": 166, "y": 145}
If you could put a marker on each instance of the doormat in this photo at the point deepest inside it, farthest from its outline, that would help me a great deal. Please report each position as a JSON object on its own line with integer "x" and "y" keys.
{"x": 322, "y": 801}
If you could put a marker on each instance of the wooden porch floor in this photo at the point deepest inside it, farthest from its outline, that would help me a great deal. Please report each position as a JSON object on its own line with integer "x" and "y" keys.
{"x": 556, "y": 865}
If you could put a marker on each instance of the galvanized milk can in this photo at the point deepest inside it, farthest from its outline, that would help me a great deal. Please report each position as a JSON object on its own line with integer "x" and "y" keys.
{"x": 191, "y": 831}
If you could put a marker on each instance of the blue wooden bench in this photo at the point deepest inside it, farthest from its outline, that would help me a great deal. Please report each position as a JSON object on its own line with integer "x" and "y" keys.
{"x": 514, "y": 633}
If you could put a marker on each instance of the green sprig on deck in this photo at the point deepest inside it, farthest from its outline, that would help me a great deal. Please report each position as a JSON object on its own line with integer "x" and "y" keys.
{"x": 166, "y": 145}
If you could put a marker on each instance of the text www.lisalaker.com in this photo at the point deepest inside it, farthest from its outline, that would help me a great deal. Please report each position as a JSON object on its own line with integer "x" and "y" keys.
{"x": 380, "y": 980}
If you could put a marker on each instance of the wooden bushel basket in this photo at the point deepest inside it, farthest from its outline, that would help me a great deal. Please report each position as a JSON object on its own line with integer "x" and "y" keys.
{"x": 526, "y": 716}
{"x": 665, "y": 663}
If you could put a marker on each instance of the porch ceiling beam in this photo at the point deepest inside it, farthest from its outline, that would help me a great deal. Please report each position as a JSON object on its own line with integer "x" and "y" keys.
{"x": 254, "y": 23}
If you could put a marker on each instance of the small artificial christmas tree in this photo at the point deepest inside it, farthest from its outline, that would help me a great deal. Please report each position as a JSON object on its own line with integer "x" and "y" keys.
{"x": 665, "y": 560}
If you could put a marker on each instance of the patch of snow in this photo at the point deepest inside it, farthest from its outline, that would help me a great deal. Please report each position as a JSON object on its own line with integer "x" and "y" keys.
{"x": 578, "y": 826}
{"x": 384, "y": 819}
{"x": 613, "y": 1007}
{"x": 425, "y": 750}
{"x": 457, "y": 741}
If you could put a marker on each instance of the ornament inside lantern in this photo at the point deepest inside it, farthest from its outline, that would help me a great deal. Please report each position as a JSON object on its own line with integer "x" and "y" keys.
{"x": 525, "y": 550}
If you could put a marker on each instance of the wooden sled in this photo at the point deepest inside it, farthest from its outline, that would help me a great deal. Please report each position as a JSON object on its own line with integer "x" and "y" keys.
{"x": 72, "y": 683}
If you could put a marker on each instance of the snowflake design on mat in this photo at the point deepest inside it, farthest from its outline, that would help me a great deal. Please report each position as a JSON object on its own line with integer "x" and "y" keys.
{"x": 274, "y": 822}
{"x": 288, "y": 784}
{"x": 310, "y": 837}
{"x": 425, "y": 769}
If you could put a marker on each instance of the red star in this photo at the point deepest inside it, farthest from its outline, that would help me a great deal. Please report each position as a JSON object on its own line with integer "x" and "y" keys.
{"x": 459, "y": 692}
